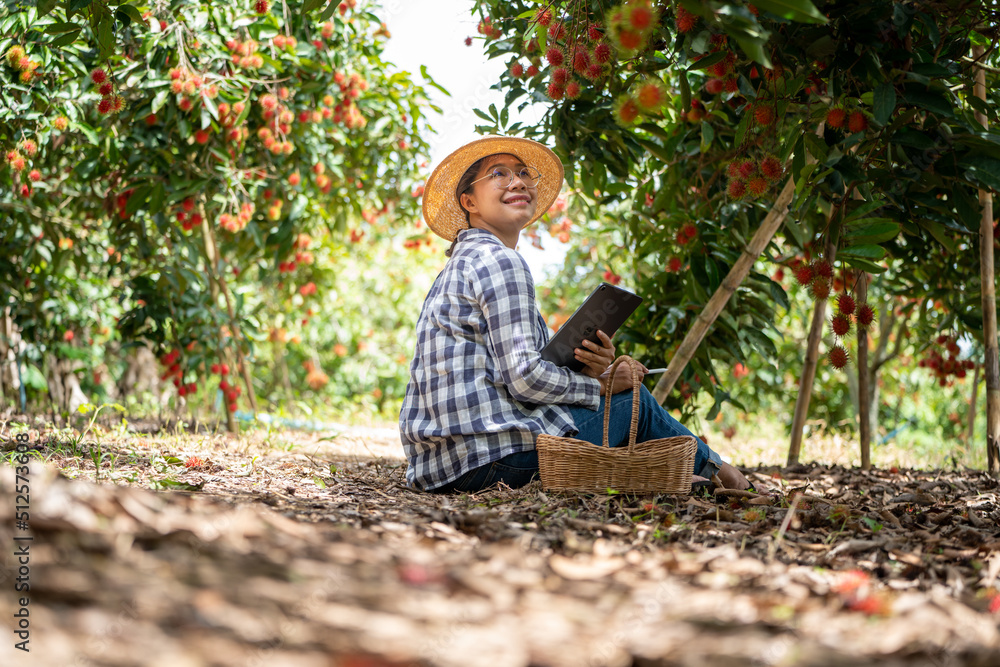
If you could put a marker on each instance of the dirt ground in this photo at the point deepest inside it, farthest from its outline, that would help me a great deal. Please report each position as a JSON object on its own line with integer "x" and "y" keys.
{"x": 305, "y": 550}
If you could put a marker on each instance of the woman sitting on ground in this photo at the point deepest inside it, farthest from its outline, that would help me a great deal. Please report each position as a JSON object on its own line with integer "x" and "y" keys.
{"x": 479, "y": 393}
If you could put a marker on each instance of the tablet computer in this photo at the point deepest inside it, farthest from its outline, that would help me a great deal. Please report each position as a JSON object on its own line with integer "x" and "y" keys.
{"x": 606, "y": 309}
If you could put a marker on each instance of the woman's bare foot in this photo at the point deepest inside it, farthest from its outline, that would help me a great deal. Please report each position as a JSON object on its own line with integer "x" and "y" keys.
{"x": 732, "y": 478}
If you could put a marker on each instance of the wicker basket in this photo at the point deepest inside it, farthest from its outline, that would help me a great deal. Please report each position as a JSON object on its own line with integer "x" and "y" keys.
{"x": 655, "y": 466}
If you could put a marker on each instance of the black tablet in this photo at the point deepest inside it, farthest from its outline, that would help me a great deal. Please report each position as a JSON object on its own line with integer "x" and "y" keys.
{"x": 606, "y": 309}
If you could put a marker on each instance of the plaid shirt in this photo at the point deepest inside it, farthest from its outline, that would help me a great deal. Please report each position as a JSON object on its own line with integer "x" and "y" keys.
{"x": 478, "y": 388}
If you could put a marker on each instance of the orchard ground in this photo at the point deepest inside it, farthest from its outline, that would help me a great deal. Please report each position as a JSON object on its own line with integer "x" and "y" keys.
{"x": 292, "y": 548}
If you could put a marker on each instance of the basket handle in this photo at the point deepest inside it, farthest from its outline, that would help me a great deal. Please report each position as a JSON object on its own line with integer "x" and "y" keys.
{"x": 636, "y": 383}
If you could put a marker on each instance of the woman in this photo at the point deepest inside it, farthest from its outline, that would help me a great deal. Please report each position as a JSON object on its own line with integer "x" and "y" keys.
{"x": 479, "y": 393}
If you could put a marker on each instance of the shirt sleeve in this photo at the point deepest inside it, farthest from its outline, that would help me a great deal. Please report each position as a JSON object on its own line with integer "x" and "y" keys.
{"x": 502, "y": 284}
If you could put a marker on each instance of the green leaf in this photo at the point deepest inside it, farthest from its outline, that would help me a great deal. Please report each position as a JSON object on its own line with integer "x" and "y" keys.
{"x": 106, "y": 37}
{"x": 60, "y": 27}
{"x": 863, "y": 252}
{"x": 870, "y": 230}
{"x": 133, "y": 13}
{"x": 310, "y": 5}
{"x": 328, "y": 12}
{"x": 885, "y": 102}
{"x": 986, "y": 170}
{"x": 863, "y": 264}
{"x": 65, "y": 39}
{"x": 159, "y": 100}
{"x": 138, "y": 198}
{"x": 156, "y": 198}
{"x": 802, "y": 11}
{"x": 707, "y": 61}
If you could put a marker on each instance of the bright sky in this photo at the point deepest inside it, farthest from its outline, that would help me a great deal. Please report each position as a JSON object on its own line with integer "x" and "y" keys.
{"x": 432, "y": 33}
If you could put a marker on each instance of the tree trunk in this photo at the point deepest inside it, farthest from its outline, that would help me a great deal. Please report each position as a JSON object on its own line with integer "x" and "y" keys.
{"x": 864, "y": 407}
{"x": 992, "y": 366}
{"x": 10, "y": 346}
{"x": 729, "y": 284}
{"x": 140, "y": 374}
{"x": 64, "y": 387}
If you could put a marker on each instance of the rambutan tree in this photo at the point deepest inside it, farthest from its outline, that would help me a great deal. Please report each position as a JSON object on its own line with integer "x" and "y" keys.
{"x": 681, "y": 117}
{"x": 191, "y": 158}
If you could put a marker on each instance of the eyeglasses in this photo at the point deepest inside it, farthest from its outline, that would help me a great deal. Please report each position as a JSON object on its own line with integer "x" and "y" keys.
{"x": 503, "y": 177}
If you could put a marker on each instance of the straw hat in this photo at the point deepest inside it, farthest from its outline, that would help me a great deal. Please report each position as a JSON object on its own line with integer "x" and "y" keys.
{"x": 442, "y": 212}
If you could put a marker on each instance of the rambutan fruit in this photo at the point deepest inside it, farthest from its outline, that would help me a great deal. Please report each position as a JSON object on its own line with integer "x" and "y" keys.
{"x": 99, "y": 76}
{"x": 685, "y": 20}
{"x": 555, "y": 56}
{"x": 748, "y": 168}
{"x": 770, "y": 167}
{"x": 757, "y": 186}
{"x": 104, "y": 106}
{"x": 573, "y": 90}
{"x": 201, "y": 136}
{"x": 543, "y": 17}
{"x": 14, "y": 55}
{"x": 820, "y": 288}
{"x": 261, "y": 6}
{"x": 555, "y": 91}
{"x": 594, "y": 32}
{"x": 841, "y": 325}
{"x": 838, "y": 357}
{"x": 714, "y": 86}
{"x": 106, "y": 89}
{"x": 731, "y": 84}
{"x": 640, "y": 16}
{"x": 560, "y": 76}
{"x": 29, "y": 147}
{"x": 804, "y": 275}
{"x": 865, "y": 316}
{"x": 557, "y": 30}
{"x": 674, "y": 265}
{"x": 857, "y": 122}
{"x": 737, "y": 189}
{"x": 35, "y": 175}
{"x": 516, "y": 70}
{"x": 60, "y": 123}
{"x": 651, "y": 95}
{"x": 594, "y": 72}
{"x": 823, "y": 269}
{"x": 531, "y": 71}
{"x": 18, "y": 164}
{"x": 845, "y": 304}
{"x": 602, "y": 52}
{"x": 733, "y": 169}
{"x": 581, "y": 59}
{"x": 764, "y": 114}
{"x": 689, "y": 230}
{"x": 835, "y": 118}
{"x": 117, "y": 103}
{"x": 626, "y": 110}
{"x": 629, "y": 40}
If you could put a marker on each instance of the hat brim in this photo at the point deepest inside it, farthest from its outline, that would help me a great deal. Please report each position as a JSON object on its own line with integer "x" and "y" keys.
{"x": 442, "y": 212}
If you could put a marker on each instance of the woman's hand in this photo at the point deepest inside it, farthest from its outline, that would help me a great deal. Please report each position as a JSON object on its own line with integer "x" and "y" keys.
{"x": 622, "y": 380}
{"x": 596, "y": 358}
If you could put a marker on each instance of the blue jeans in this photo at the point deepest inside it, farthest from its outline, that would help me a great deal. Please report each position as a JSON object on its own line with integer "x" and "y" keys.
{"x": 517, "y": 469}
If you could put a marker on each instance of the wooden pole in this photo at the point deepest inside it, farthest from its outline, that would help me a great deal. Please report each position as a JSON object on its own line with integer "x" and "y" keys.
{"x": 991, "y": 368}
{"x": 809, "y": 370}
{"x": 864, "y": 409}
{"x": 972, "y": 406}
{"x": 729, "y": 284}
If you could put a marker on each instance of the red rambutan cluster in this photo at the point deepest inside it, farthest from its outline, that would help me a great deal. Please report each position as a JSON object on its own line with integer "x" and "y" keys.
{"x": 947, "y": 367}
{"x": 753, "y": 178}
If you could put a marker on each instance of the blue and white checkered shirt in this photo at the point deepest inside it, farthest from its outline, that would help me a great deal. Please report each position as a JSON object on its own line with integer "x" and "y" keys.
{"x": 478, "y": 388}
